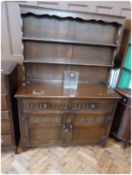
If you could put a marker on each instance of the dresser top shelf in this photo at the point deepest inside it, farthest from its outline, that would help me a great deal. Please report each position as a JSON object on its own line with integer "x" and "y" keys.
{"x": 56, "y": 90}
{"x": 40, "y": 11}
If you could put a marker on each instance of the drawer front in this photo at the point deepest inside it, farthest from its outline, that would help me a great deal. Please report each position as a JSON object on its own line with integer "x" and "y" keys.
{"x": 6, "y": 140}
{"x": 5, "y": 115}
{"x": 68, "y": 105}
{"x": 5, "y": 127}
{"x": 44, "y": 104}
{"x": 93, "y": 105}
{"x": 4, "y": 102}
{"x": 4, "y": 88}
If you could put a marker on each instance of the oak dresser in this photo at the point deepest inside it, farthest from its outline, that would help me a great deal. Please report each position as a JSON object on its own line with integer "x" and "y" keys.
{"x": 55, "y": 41}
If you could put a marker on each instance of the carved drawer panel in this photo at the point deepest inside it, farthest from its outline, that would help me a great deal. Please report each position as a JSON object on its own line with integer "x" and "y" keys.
{"x": 89, "y": 105}
{"x": 44, "y": 104}
{"x": 93, "y": 105}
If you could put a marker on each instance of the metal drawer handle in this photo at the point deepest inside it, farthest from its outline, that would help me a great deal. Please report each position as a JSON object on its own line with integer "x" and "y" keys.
{"x": 93, "y": 106}
{"x": 70, "y": 126}
{"x": 67, "y": 127}
{"x": 64, "y": 126}
{"x": 45, "y": 105}
{"x": 38, "y": 92}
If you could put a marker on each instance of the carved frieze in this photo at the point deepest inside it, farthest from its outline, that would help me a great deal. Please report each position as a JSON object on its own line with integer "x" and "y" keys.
{"x": 59, "y": 106}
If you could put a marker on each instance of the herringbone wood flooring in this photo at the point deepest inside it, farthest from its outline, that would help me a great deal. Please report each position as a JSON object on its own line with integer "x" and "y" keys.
{"x": 79, "y": 159}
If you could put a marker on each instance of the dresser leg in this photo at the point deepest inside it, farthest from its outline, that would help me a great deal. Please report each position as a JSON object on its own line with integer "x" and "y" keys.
{"x": 125, "y": 144}
{"x": 16, "y": 151}
{"x": 21, "y": 147}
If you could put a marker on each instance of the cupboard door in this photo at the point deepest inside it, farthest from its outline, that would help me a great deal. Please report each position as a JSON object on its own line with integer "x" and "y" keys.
{"x": 84, "y": 133}
{"x": 40, "y": 129}
{"x": 88, "y": 128}
{"x": 44, "y": 134}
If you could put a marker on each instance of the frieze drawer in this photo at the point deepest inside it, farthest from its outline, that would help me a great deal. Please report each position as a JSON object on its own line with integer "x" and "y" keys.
{"x": 65, "y": 105}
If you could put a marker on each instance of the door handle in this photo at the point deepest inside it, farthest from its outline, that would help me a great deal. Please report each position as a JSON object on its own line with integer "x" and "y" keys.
{"x": 67, "y": 127}
{"x": 70, "y": 126}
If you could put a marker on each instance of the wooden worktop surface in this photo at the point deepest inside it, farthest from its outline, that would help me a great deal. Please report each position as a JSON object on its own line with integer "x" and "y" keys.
{"x": 55, "y": 89}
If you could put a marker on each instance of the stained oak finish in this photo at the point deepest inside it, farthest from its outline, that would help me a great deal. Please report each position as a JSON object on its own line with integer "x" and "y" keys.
{"x": 121, "y": 126}
{"x": 9, "y": 118}
{"x": 55, "y": 41}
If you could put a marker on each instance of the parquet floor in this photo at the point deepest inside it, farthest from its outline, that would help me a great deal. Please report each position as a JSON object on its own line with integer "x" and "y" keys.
{"x": 80, "y": 159}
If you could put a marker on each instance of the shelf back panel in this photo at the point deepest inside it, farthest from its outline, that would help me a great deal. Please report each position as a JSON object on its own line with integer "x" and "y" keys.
{"x": 69, "y": 28}
{"x": 68, "y": 53}
{"x": 50, "y": 72}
